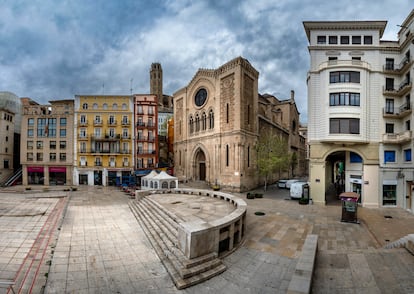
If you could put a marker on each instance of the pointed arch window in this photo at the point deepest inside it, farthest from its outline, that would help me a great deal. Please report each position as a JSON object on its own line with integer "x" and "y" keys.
{"x": 211, "y": 119}
{"x": 204, "y": 121}
{"x": 191, "y": 124}
{"x": 197, "y": 123}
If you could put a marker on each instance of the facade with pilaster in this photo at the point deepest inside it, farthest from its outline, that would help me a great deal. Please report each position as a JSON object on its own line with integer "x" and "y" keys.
{"x": 103, "y": 143}
{"x": 360, "y": 111}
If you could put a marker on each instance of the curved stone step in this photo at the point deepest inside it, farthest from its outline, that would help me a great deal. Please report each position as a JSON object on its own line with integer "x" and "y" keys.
{"x": 184, "y": 272}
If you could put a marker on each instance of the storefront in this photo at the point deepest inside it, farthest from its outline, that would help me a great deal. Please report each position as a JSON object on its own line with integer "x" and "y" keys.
{"x": 35, "y": 175}
{"x": 57, "y": 175}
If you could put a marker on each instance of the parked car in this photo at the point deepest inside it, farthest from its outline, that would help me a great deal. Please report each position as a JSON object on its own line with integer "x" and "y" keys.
{"x": 290, "y": 182}
{"x": 296, "y": 190}
{"x": 281, "y": 184}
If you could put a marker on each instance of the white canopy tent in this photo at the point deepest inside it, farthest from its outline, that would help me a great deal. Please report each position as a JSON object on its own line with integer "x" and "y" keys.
{"x": 154, "y": 181}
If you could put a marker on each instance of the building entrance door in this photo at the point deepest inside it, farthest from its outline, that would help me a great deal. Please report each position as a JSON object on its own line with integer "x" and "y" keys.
{"x": 199, "y": 167}
{"x": 202, "y": 171}
{"x": 409, "y": 195}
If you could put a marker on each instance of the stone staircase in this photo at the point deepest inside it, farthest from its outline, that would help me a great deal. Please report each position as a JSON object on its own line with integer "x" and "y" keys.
{"x": 406, "y": 242}
{"x": 161, "y": 228}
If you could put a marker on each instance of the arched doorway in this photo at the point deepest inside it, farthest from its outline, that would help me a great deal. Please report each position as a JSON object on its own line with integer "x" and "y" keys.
{"x": 344, "y": 173}
{"x": 200, "y": 165}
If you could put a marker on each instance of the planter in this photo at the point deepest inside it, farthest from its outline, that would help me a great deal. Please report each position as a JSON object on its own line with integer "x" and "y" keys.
{"x": 216, "y": 188}
{"x": 303, "y": 201}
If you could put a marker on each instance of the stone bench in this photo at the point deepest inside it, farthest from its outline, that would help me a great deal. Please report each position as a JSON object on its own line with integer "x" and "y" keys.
{"x": 301, "y": 281}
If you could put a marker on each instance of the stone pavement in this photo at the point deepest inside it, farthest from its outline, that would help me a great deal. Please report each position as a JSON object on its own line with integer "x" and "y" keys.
{"x": 101, "y": 248}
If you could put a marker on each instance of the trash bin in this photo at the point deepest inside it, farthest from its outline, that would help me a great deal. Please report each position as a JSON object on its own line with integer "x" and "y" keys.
{"x": 349, "y": 207}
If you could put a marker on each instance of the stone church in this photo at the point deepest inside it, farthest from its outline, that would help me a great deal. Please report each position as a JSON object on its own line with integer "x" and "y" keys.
{"x": 216, "y": 127}
{"x": 218, "y": 119}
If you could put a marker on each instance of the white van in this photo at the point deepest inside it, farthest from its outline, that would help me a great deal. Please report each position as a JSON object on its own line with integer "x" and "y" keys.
{"x": 296, "y": 190}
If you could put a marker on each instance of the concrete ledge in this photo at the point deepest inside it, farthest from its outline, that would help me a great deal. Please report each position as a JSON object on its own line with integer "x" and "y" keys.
{"x": 410, "y": 244}
{"x": 301, "y": 281}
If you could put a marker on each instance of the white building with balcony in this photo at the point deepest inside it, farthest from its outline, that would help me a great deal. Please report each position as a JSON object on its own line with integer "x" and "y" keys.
{"x": 359, "y": 112}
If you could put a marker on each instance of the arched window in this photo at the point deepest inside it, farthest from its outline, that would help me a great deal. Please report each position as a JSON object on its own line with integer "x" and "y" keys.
{"x": 124, "y": 106}
{"x": 204, "y": 121}
{"x": 95, "y": 106}
{"x": 164, "y": 185}
{"x": 85, "y": 106}
{"x": 191, "y": 123}
{"x": 211, "y": 119}
{"x": 114, "y": 106}
{"x": 197, "y": 123}
{"x": 294, "y": 126}
{"x": 105, "y": 106}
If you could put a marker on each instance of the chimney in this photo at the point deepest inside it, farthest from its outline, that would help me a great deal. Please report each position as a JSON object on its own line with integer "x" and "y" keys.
{"x": 292, "y": 95}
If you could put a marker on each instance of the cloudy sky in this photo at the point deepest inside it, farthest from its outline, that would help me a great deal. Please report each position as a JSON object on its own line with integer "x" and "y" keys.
{"x": 54, "y": 49}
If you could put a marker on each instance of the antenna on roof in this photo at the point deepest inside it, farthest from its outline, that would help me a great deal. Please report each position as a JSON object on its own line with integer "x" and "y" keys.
{"x": 103, "y": 88}
{"x": 130, "y": 85}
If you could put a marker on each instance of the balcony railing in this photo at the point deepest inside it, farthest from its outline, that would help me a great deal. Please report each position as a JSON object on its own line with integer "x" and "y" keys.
{"x": 97, "y": 122}
{"x": 146, "y": 152}
{"x": 82, "y": 137}
{"x": 396, "y": 138}
{"x": 105, "y": 151}
{"x": 397, "y": 68}
{"x": 98, "y": 163}
{"x": 106, "y": 137}
{"x": 140, "y": 124}
{"x": 350, "y": 63}
{"x": 402, "y": 111}
{"x": 126, "y": 122}
{"x": 401, "y": 90}
{"x": 83, "y": 163}
{"x": 83, "y": 122}
{"x": 112, "y": 122}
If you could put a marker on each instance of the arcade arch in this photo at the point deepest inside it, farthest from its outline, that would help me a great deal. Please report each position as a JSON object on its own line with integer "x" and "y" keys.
{"x": 343, "y": 173}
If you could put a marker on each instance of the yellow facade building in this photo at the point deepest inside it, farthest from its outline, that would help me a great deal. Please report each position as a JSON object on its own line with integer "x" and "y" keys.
{"x": 103, "y": 143}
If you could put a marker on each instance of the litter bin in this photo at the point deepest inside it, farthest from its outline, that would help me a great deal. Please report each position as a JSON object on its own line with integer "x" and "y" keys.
{"x": 349, "y": 207}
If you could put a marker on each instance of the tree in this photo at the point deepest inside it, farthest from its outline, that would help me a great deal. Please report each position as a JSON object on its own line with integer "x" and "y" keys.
{"x": 272, "y": 155}
{"x": 293, "y": 162}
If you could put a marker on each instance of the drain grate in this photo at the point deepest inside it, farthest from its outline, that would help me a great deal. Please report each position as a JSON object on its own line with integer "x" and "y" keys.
{"x": 387, "y": 216}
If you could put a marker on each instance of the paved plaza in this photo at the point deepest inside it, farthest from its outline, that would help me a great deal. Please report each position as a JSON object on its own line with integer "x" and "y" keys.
{"x": 88, "y": 241}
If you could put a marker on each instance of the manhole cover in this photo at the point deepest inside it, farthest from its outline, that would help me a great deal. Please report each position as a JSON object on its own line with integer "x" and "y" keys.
{"x": 387, "y": 216}
{"x": 259, "y": 213}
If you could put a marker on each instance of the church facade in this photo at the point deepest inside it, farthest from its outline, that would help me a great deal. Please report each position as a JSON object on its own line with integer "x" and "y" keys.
{"x": 216, "y": 127}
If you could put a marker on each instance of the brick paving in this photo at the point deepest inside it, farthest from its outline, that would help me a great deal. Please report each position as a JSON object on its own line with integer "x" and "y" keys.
{"x": 102, "y": 249}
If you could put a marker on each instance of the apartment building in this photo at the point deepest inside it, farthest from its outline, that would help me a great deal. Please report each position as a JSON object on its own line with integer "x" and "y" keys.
{"x": 359, "y": 111}
{"x": 103, "y": 142}
{"x": 46, "y": 142}
{"x": 146, "y": 133}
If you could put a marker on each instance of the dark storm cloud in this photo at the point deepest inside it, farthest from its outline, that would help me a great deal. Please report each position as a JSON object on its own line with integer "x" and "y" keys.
{"x": 56, "y": 49}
